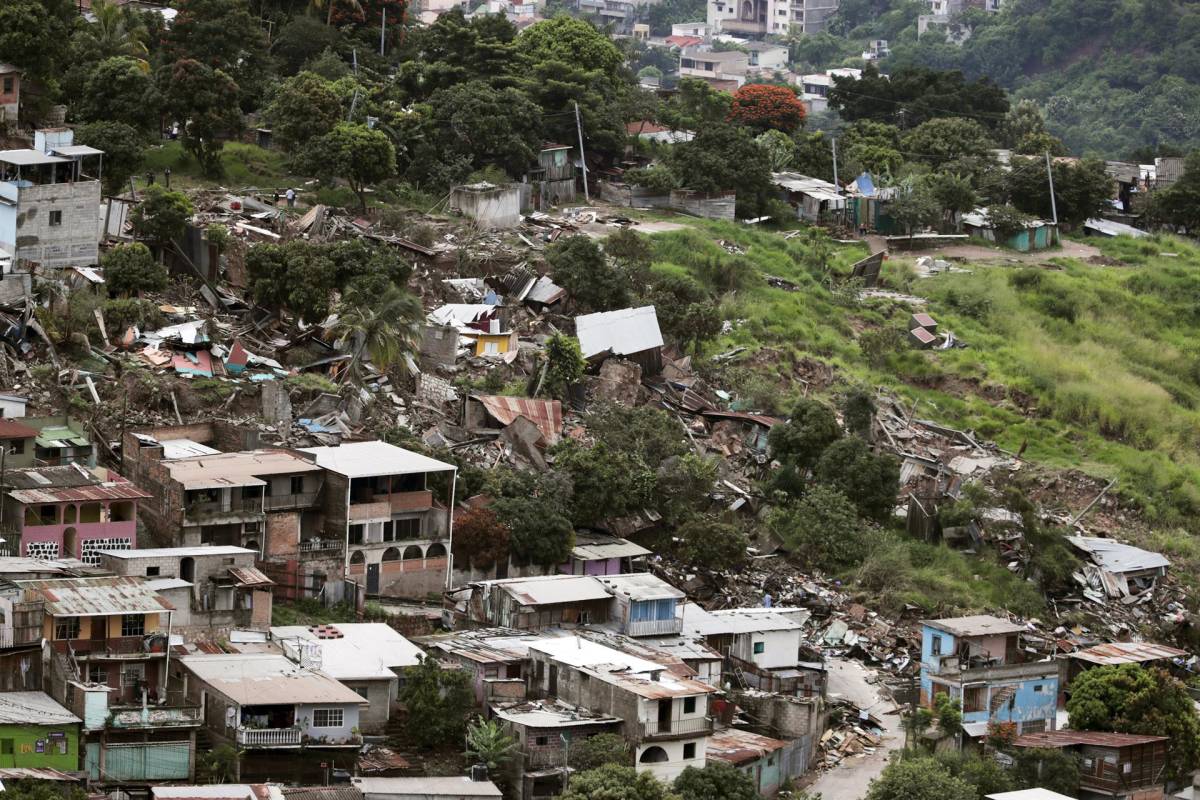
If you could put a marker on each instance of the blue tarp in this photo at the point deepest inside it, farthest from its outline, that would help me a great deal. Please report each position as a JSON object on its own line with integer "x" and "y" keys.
{"x": 866, "y": 186}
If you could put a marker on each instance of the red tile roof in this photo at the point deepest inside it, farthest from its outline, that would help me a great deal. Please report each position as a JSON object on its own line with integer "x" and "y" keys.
{"x": 684, "y": 41}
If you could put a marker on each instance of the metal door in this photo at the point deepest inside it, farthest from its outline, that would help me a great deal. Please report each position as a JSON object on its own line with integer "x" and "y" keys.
{"x": 372, "y": 579}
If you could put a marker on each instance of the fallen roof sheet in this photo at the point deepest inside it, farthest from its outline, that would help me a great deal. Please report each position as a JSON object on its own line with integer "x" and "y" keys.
{"x": 545, "y": 414}
{"x": 249, "y": 577}
{"x": 595, "y": 548}
{"x": 1110, "y": 228}
{"x": 36, "y": 774}
{"x": 97, "y": 597}
{"x": 1128, "y": 653}
{"x": 1116, "y": 557}
{"x": 461, "y": 314}
{"x": 623, "y": 332}
{"x": 758, "y": 419}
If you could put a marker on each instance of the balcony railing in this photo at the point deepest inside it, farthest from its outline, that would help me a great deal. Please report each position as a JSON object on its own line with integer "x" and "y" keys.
{"x": 319, "y": 545}
{"x": 654, "y": 627}
{"x": 268, "y": 737}
{"x": 285, "y": 501}
{"x": 692, "y": 726}
{"x": 236, "y": 506}
{"x": 135, "y": 716}
{"x": 545, "y": 757}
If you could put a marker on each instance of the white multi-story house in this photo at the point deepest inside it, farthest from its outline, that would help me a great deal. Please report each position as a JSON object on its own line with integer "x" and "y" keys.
{"x": 758, "y": 18}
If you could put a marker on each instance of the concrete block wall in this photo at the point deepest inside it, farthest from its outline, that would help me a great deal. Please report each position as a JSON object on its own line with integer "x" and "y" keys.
{"x": 73, "y": 242}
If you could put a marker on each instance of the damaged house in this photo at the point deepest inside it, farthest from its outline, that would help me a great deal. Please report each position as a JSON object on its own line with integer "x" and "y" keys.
{"x": 545, "y": 732}
{"x": 1118, "y": 570}
{"x": 630, "y": 333}
{"x": 979, "y": 661}
{"x": 664, "y": 716}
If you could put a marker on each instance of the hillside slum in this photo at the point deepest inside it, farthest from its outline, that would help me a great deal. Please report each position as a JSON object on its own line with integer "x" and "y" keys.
{"x": 227, "y": 394}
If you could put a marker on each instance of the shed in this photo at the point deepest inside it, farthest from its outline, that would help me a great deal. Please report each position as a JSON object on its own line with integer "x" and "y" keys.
{"x": 632, "y": 333}
{"x": 491, "y": 206}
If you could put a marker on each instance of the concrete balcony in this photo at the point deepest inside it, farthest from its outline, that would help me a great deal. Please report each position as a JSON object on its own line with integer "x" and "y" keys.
{"x": 284, "y": 502}
{"x": 677, "y": 728}
{"x": 267, "y": 738}
{"x": 237, "y": 509}
{"x": 654, "y": 627}
{"x": 326, "y": 546}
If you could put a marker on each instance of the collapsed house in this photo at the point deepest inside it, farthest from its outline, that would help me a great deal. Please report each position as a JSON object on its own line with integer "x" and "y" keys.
{"x": 1118, "y": 570}
{"x": 630, "y": 333}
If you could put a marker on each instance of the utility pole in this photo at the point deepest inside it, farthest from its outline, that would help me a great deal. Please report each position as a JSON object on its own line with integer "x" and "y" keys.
{"x": 833, "y": 143}
{"x": 582, "y": 160}
{"x": 382, "y": 30}
{"x": 1050, "y": 178}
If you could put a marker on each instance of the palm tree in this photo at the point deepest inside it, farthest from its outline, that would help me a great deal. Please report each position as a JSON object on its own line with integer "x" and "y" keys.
{"x": 385, "y": 328}
{"x": 490, "y": 745}
{"x": 118, "y": 33}
{"x": 354, "y": 5}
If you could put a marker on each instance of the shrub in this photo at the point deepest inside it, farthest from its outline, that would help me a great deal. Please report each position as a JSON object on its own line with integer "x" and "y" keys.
{"x": 130, "y": 268}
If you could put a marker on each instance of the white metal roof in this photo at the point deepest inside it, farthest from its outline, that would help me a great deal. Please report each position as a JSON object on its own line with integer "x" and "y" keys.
{"x": 33, "y": 708}
{"x": 185, "y": 448}
{"x": 606, "y": 547}
{"x": 978, "y": 625}
{"x": 455, "y": 787}
{"x": 163, "y": 584}
{"x": 551, "y": 589}
{"x": 637, "y": 675}
{"x": 623, "y": 332}
{"x": 370, "y": 459}
{"x": 699, "y": 622}
{"x": 181, "y": 552}
{"x": 29, "y": 158}
{"x": 1028, "y": 794}
{"x": 366, "y": 651}
{"x": 795, "y": 182}
{"x": 75, "y": 150}
{"x": 1116, "y": 557}
{"x": 641, "y": 586}
{"x": 460, "y": 314}
{"x": 251, "y": 679}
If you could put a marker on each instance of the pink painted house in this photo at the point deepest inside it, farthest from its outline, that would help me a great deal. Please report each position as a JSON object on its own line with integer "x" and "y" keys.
{"x": 70, "y": 512}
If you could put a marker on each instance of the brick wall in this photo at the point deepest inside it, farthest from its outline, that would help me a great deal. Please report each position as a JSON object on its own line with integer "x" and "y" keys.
{"x": 283, "y": 534}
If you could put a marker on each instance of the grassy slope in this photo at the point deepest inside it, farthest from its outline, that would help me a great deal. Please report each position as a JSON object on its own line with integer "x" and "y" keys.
{"x": 1092, "y": 367}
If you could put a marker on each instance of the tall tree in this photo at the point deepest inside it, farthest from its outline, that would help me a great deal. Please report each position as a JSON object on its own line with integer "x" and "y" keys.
{"x": 595, "y": 283}
{"x": 721, "y": 158}
{"x": 436, "y": 701}
{"x": 356, "y": 153}
{"x": 124, "y": 151}
{"x": 206, "y": 102}
{"x": 117, "y": 32}
{"x": 1081, "y": 189}
{"x": 223, "y": 35}
{"x": 763, "y": 107}
{"x": 304, "y": 107}
{"x": 33, "y": 34}
{"x": 162, "y": 216}
{"x": 119, "y": 90}
{"x": 489, "y": 126}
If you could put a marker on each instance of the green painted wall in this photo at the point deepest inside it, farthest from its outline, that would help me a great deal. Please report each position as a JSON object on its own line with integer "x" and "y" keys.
{"x": 53, "y": 746}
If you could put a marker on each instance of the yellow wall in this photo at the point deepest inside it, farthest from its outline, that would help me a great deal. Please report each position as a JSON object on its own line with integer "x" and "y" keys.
{"x": 504, "y": 341}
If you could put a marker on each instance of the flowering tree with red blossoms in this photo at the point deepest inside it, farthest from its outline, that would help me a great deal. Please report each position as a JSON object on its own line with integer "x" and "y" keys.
{"x": 763, "y": 107}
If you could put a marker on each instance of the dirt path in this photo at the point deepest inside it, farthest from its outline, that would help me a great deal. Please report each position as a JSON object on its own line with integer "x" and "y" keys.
{"x": 974, "y": 252}
{"x": 850, "y": 779}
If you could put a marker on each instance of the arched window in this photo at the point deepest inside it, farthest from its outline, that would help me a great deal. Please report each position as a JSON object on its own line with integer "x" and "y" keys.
{"x": 391, "y": 554}
{"x": 412, "y": 553}
{"x": 436, "y": 550}
{"x": 653, "y": 755}
{"x": 357, "y": 557}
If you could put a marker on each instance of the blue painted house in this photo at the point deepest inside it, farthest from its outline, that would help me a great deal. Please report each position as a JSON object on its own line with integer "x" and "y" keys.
{"x": 979, "y": 662}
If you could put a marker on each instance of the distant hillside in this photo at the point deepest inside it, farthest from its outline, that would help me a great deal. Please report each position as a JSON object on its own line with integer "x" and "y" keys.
{"x": 1117, "y": 78}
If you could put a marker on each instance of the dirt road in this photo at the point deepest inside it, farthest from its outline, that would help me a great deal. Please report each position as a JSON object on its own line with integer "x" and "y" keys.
{"x": 850, "y": 779}
{"x": 974, "y": 252}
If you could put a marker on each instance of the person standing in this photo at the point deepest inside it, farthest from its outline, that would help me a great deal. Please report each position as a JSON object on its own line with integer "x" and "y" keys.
{"x": 291, "y": 197}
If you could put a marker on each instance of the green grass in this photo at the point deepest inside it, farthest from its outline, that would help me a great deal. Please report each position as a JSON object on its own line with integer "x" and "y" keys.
{"x": 1090, "y": 367}
{"x": 241, "y": 165}
{"x": 310, "y": 612}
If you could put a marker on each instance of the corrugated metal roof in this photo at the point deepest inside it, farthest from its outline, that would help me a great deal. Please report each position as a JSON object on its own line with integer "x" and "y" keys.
{"x": 640, "y": 676}
{"x": 98, "y": 597}
{"x": 1128, "y": 653}
{"x": 546, "y": 414}
{"x": 265, "y": 679}
{"x": 1116, "y": 557}
{"x": 43, "y": 477}
{"x": 35, "y": 773}
{"x": 33, "y": 708}
{"x": 12, "y": 429}
{"x": 641, "y": 586}
{"x": 180, "y": 552}
{"x": 592, "y": 547}
{"x": 459, "y": 788}
{"x": 365, "y": 651}
{"x": 737, "y": 747}
{"x": 622, "y": 333}
{"x": 370, "y": 459}
{"x": 552, "y": 589}
{"x": 1093, "y": 738}
{"x": 545, "y": 291}
{"x": 54, "y": 436}
{"x": 104, "y": 491}
{"x": 979, "y": 625}
{"x": 236, "y": 469}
